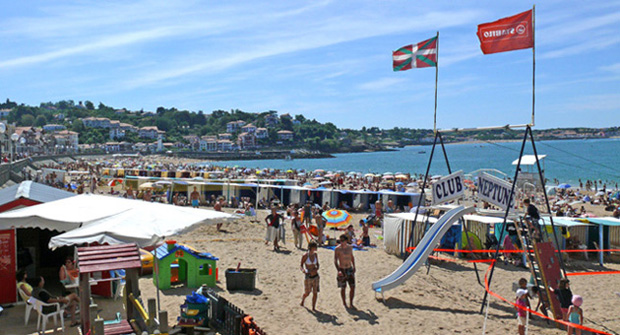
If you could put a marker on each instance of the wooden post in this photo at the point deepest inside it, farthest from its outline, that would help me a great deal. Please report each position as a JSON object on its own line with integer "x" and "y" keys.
{"x": 152, "y": 309}
{"x": 163, "y": 322}
{"x": 99, "y": 326}
{"x": 85, "y": 302}
{"x": 92, "y": 311}
{"x": 131, "y": 287}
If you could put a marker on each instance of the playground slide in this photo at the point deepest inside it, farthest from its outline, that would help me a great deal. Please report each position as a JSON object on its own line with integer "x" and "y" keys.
{"x": 423, "y": 250}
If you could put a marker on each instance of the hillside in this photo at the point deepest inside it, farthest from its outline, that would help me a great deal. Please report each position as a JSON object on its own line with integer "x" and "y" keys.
{"x": 182, "y": 126}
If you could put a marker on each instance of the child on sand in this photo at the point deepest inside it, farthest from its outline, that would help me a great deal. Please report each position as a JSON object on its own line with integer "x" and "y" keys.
{"x": 565, "y": 296}
{"x": 575, "y": 314}
{"x": 521, "y": 312}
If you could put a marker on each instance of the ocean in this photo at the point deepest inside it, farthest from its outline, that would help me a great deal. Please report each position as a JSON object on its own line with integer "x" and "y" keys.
{"x": 567, "y": 160}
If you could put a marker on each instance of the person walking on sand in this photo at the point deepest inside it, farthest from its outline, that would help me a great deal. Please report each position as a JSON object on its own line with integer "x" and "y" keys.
{"x": 296, "y": 228}
{"x": 195, "y": 197}
{"x": 345, "y": 265}
{"x": 310, "y": 268}
{"x": 273, "y": 221}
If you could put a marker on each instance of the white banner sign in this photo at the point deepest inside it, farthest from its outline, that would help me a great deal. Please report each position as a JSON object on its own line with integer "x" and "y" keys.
{"x": 494, "y": 190}
{"x": 448, "y": 188}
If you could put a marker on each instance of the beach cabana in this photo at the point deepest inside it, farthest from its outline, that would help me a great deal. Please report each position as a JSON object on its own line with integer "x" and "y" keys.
{"x": 24, "y": 194}
{"x": 89, "y": 218}
{"x": 397, "y": 228}
{"x": 602, "y": 228}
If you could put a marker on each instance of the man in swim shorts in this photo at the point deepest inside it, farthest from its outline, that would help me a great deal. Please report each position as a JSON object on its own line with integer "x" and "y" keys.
{"x": 345, "y": 264}
{"x": 195, "y": 197}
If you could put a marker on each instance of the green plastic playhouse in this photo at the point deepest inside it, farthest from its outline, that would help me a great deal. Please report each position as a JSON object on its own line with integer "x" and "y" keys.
{"x": 177, "y": 263}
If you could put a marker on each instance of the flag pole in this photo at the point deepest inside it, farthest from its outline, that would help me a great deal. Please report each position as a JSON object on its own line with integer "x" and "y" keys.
{"x": 533, "y": 61}
{"x": 436, "y": 76}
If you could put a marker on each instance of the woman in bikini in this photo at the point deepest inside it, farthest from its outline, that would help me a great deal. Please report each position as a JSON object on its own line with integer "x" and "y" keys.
{"x": 310, "y": 268}
{"x": 68, "y": 273}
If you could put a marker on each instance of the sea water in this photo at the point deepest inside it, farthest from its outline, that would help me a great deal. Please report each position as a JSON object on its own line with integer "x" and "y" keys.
{"x": 567, "y": 160}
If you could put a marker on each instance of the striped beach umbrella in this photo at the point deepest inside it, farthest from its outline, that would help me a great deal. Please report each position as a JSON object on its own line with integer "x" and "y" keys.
{"x": 115, "y": 182}
{"x": 336, "y": 218}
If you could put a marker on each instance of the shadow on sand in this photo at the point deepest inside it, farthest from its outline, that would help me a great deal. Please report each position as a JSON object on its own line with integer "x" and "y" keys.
{"x": 368, "y": 315}
{"x": 324, "y": 317}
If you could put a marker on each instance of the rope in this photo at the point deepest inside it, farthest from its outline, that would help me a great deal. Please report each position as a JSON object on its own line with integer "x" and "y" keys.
{"x": 515, "y": 251}
{"x": 573, "y": 325}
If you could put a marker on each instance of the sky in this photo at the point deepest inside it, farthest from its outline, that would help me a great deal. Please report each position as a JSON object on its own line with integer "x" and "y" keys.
{"x": 328, "y": 60}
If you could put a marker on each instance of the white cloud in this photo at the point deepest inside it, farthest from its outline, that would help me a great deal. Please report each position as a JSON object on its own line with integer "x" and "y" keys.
{"x": 382, "y": 84}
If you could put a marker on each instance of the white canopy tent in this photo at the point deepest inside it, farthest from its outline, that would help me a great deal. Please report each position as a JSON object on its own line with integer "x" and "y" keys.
{"x": 91, "y": 218}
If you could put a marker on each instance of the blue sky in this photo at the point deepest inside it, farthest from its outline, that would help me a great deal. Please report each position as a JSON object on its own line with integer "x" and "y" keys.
{"x": 329, "y": 60}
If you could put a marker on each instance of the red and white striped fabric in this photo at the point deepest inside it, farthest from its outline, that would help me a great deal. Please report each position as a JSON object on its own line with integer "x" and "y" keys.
{"x": 423, "y": 54}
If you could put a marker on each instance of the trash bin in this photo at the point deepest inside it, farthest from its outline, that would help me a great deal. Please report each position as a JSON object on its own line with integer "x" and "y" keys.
{"x": 242, "y": 280}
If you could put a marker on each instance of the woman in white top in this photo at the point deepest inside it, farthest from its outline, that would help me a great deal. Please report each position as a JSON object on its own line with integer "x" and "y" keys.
{"x": 310, "y": 268}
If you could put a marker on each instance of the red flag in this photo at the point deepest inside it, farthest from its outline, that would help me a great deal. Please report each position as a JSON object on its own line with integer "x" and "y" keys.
{"x": 510, "y": 33}
{"x": 423, "y": 54}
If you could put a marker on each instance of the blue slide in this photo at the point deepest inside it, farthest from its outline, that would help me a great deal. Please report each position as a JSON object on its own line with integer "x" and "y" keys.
{"x": 423, "y": 250}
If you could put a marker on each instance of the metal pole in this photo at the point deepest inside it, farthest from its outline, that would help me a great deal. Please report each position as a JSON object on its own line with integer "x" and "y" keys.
{"x": 533, "y": 62}
{"x": 542, "y": 181}
{"x": 600, "y": 245}
{"x": 501, "y": 235}
{"x": 156, "y": 276}
{"x": 436, "y": 78}
{"x": 445, "y": 154}
{"x": 422, "y": 198}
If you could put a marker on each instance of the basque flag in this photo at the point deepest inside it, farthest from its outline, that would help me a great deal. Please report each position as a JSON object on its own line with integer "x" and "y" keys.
{"x": 423, "y": 54}
{"x": 510, "y": 33}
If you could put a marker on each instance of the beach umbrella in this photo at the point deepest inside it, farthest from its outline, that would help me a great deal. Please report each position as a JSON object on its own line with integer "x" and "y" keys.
{"x": 115, "y": 182}
{"x": 369, "y": 175}
{"x": 599, "y": 193}
{"x": 329, "y": 175}
{"x": 325, "y": 183}
{"x": 145, "y": 185}
{"x": 400, "y": 183}
{"x": 352, "y": 173}
{"x": 289, "y": 171}
{"x": 616, "y": 195}
{"x": 388, "y": 173}
{"x": 336, "y": 218}
{"x": 564, "y": 186}
{"x": 586, "y": 198}
{"x": 400, "y": 176}
{"x": 319, "y": 171}
{"x": 412, "y": 185}
{"x": 388, "y": 177}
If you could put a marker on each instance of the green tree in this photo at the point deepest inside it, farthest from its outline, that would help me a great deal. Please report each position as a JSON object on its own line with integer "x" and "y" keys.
{"x": 40, "y": 120}
{"x": 27, "y": 120}
{"x": 163, "y": 124}
{"x": 89, "y": 105}
{"x": 78, "y": 126}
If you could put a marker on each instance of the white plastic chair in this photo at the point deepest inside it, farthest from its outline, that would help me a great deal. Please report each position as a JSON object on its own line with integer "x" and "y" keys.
{"x": 29, "y": 306}
{"x": 38, "y": 306}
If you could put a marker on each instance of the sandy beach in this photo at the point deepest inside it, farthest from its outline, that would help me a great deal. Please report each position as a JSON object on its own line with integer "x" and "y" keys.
{"x": 446, "y": 300}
